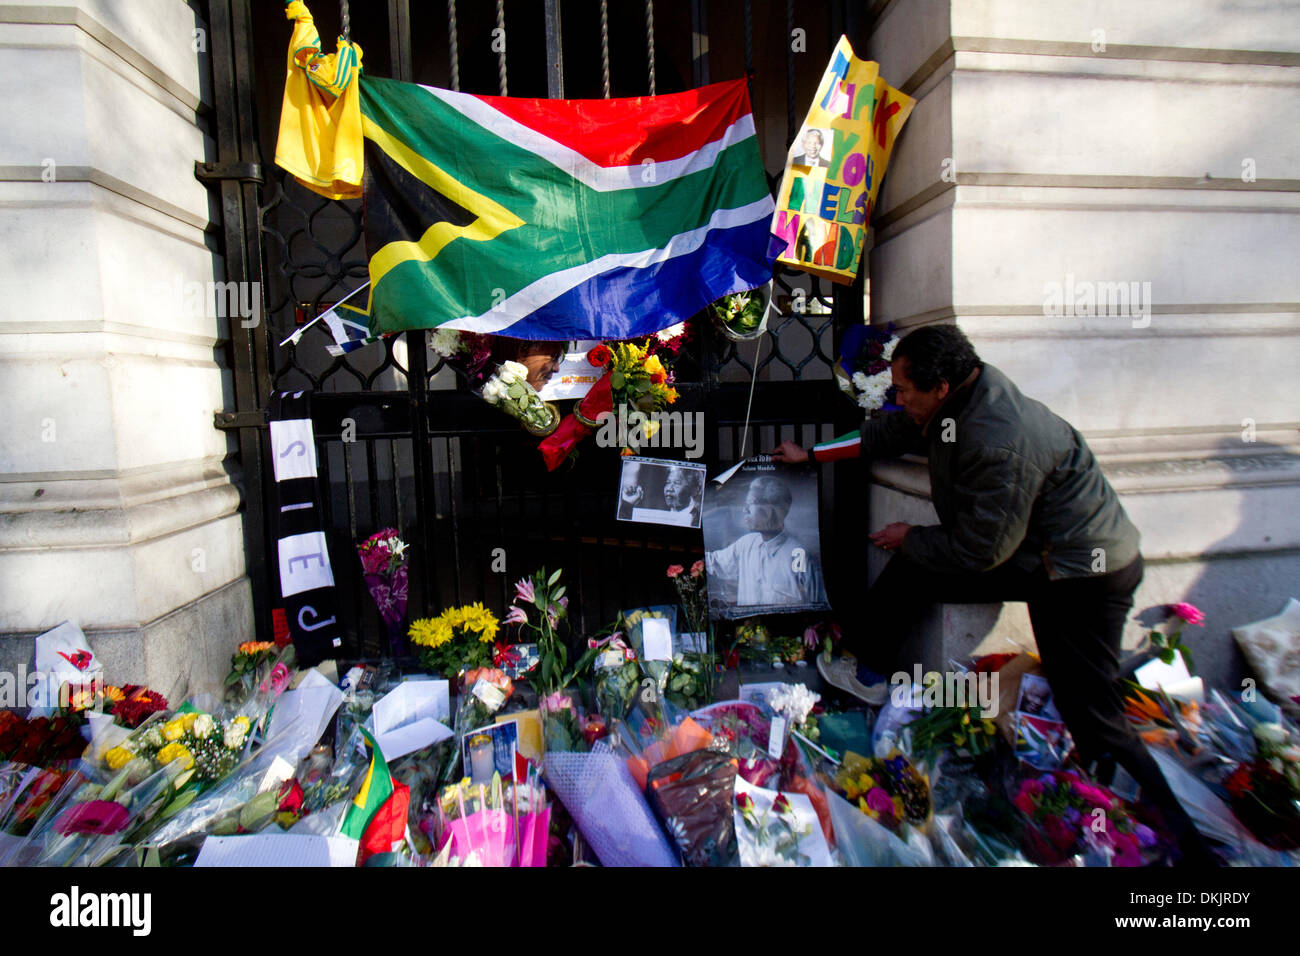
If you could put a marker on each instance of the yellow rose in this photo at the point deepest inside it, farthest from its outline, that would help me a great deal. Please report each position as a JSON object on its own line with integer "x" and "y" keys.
{"x": 174, "y": 729}
{"x": 175, "y": 751}
{"x": 653, "y": 365}
{"x": 189, "y": 721}
{"x": 117, "y": 758}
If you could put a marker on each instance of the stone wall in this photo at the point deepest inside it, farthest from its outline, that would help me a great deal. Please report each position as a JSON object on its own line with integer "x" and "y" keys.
{"x": 117, "y": 508}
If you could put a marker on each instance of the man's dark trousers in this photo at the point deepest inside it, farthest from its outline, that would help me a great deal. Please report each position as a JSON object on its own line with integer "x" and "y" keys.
{"x": 1078, "y": 625}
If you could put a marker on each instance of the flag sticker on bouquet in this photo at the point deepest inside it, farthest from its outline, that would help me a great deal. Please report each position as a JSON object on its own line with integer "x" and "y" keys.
{"x": 833, "y": 173}
{"x": 559, "y": 219}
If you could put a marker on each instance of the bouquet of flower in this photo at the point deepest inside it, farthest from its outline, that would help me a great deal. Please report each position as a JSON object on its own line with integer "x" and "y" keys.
{"x": 459, "y": 638}
{"x": 496, "y": 824}
{"x": 1264, "y": 793}
{"x": 639, "y": 380}
{"x": 562, "y": 724}
{"x": 691, "y": 683}
{"x": 383, "y": 565}
{"x": 889, "y": 790}
{"x": 962, "y": 729}
{"x": 1168, "y": 643}
{"x": 27, "y": 792}
{"x": 40, "y": 741}
{"x": 544, "y": 593}
{"x": 1064, "y": 813}
{"x": 134, "y": 704}
{"x": 508, "y": 390}
{"x": 249, "y": 665}
{"x": 466, "y": 352}
{"x": 743, "y": 314}
{"x": 769, "y": 829}
{"x": 616, "y": 676}
{"x": 795, "y": 702}
{"x": 863, "y": 371}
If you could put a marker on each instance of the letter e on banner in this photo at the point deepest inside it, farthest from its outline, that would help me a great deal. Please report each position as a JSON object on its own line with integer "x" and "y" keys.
{"x": 304, "y": 563}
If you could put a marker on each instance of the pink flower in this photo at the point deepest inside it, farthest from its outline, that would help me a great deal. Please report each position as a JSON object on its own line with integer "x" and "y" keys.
{"x": 1126, "y": 850}
{"x": 1024, "y": 803}
{"x": 524, "y": 590}
{"x": 810, "y": 638}
{"x": 1189, "y": 613}
{"x": 674, "y": 570}
{"x": 880, "y": 801}
{"x": 1033, "y": 787}
{"x": 95, "y": 817}
{"x": 517, "y": 615}
{"x": 554, "y": 703}
{"x": 564, "y": 602}
{"x": 697, "y": 569}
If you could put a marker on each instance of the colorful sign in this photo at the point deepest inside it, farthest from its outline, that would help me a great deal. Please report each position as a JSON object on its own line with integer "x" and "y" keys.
{"x": 833, "y": 173}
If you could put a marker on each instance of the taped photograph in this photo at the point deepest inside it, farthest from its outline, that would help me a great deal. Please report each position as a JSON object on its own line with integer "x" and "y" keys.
{"x": 660, "y": 491}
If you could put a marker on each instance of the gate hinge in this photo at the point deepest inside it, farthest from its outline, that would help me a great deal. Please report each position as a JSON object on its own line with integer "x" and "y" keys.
{"x": 228, "y": 420}
{"x": 213, "y": 173}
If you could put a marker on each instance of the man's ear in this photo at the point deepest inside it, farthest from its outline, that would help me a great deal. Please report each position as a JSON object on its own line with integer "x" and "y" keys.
{"x": 942, "y": 390}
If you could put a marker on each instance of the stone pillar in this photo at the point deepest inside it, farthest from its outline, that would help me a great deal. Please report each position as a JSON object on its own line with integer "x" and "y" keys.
{"x": 117, "y": 508}
{"x": 1057, "y": 151}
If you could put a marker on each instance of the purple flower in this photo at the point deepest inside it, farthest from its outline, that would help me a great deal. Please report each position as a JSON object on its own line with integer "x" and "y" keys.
{"x": 517, "y": 615}
{"x": 1145, "y": 835}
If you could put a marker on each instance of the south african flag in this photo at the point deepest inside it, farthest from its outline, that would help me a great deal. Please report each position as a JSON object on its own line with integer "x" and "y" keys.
{"x": 559, "y": 219}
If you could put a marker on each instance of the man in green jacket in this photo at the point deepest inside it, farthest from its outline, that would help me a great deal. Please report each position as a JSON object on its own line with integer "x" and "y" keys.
{"x": 1025, "y": 514}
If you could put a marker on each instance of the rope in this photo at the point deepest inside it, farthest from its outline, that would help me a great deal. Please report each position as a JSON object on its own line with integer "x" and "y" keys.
{"x": 347, "y": 20}
{"x": 650, "y": 40}
{"x": 604, "y": 43}
{"x": 744, "y": 435}
{"x": 501, "y": 57}
{"x": 455, "y": 45}
{"x": 789, "y": 72}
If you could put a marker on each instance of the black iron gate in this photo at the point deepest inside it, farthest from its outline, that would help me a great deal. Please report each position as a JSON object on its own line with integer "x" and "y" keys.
{"x": 398, "y": 443}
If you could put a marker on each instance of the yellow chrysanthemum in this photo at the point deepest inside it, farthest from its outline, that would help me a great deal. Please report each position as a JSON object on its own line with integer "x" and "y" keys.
{"x": 430, "y": 632}
{"x": 114, "y": 693}
{"x": 117, "y": 758}
{"x": 175, "y": 751}
{"x": 174, "y": 729}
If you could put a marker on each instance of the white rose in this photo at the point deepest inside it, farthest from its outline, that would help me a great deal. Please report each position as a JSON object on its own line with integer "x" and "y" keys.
{"x": 494, "y": 391}
{"x": 515, "y": 370}
{"x": 234, "y": 736}
{"x": 202, "y": 726}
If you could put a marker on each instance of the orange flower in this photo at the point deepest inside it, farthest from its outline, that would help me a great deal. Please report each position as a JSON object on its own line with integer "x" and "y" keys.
{"x": 113, "y": 693}
{"x": 256, "y": 647}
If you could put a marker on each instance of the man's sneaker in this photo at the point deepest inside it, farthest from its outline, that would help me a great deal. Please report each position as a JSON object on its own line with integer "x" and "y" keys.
{"x": 842, "y": 673}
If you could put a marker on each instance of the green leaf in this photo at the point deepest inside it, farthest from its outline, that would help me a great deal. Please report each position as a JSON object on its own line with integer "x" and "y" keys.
{"x": 1167, "y": 655}
{"x": 233, "y": 679}
{"x": 555, "y": 577}
{"x": 1187, "y": 658}
{"x": 617, "y": 380}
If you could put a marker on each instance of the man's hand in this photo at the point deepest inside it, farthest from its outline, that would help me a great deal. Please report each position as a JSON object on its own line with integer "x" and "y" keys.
{"x": 790, "y": 453}
{"x": 891, "y": 536}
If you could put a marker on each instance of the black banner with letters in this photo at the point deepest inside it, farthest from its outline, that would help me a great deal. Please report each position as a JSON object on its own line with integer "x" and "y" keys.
{"x": 302, "y": 553}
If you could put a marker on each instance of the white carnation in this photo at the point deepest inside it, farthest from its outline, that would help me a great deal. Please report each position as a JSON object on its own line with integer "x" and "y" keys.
{"x": 888, "y": 352}
{"x": 445, "y": 342}
{"x": 860, "y": 380}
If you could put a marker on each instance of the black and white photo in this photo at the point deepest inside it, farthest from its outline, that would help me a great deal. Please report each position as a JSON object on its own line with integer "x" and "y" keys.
{"x": 661, "y": 491}
{"x": 761, "y": 542}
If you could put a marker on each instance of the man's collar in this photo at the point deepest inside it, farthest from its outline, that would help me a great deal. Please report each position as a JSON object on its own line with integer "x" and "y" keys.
{"x": 957, "y": 395}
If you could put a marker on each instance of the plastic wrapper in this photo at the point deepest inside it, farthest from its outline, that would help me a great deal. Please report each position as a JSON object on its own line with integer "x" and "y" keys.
{"x": 660, "y": 671}
{"x": 653, "y": 733}
{"x": 608, "y": 807}
{"x": 496, "y": 824}
{"x": 946, "y": 846}
{"x": 692, "y": 796}
{"x": 861, "y": 841}
{"x": 616, "y": 687}
{"x": 777, "y": 829}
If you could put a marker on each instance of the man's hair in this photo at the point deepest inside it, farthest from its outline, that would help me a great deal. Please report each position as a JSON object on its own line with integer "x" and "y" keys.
{"x": 690, "y": 478}
{"x": 937, "y": 353}
{"x": 813, "y": 131}
{"x": 770, "y": 490}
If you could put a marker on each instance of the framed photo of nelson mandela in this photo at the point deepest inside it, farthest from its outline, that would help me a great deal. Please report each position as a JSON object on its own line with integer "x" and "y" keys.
{"x": 762, "y": 548}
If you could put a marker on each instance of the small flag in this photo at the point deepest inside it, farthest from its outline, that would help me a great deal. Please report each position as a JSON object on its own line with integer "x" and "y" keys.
{"x": 374, "y": 793}
{"x": 388, "y": 826}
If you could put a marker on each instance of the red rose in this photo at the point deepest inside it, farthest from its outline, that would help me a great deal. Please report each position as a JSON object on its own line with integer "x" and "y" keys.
{"x": 600, "y": 356}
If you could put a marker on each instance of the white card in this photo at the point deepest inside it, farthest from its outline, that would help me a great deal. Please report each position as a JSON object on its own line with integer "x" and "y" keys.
{"x": 656, "y": 639}
{"x": 293, "y": 449}
{"x": 304, "y": 563}
{"x": 776, "y": 738}
{"x": 277, "y": 849}
{"x": 491, "y": 695}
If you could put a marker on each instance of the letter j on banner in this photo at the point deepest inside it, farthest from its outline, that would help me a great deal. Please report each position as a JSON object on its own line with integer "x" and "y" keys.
{"x": 833, "y": 173}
